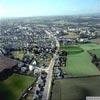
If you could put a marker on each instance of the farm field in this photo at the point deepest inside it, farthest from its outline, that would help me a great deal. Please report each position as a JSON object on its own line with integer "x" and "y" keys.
{"x": 80, "y": 65}
{"x": 11, "y": 88}
{"x": 79, "y": 60}
{"x": 76, "y": 88}
{"x": 72, "y": 49}
{"x": 89, "y": 46}
{"x": 96, "y": 52}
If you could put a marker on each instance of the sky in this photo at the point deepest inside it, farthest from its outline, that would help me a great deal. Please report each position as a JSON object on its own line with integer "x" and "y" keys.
{"x": 26, "y": 8}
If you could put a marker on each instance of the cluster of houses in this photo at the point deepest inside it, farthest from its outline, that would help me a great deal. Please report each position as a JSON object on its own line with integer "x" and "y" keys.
{"x": 59, "y": 63}
{"x": 82, "y": 34}
{"x": 39, "y": 88}
{"x": 16, "y": 34}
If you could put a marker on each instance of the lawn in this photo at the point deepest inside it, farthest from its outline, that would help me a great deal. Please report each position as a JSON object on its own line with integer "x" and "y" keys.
{"x": 11, "y": 88}
{"x": 18, "y": 54}
{"x": 80, "y": 65}
{"x": 76, "y": 89}
{"x": 95, "y": 51}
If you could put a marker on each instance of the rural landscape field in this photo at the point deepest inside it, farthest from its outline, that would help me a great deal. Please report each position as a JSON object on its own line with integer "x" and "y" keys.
{"x": 14, "y": 86}
{"x": 85, "y": 76}
{"x": 49, "y": 49}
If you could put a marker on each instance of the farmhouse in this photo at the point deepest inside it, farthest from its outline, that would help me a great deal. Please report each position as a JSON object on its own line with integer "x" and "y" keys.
{"x": 6, "y": 67}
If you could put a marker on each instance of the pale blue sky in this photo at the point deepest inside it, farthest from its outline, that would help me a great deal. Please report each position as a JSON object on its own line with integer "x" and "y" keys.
{"x": 21, "y": 8}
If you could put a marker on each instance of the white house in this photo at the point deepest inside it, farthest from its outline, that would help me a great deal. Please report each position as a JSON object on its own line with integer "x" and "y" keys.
{"x": 31, "y": 67}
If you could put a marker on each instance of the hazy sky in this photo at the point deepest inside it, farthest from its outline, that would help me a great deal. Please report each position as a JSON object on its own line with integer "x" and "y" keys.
{"x": 21, "y": 8}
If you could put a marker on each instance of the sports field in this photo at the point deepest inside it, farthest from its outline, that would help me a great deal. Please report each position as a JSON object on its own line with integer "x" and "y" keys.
{"x": 11, "y": 88}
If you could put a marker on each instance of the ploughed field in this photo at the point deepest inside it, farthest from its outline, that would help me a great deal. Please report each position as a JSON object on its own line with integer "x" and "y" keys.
{"x": 14, "y": 86}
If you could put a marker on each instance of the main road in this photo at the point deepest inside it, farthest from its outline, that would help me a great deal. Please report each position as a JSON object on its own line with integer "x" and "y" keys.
{"x": 47, "y": 88}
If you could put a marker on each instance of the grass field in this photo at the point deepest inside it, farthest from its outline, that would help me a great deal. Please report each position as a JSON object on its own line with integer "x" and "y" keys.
{"x": 80, "y": 64}
{"x": 72, "y": 49}
{"x": 95, "y": 51}
{"x": 11, "y": 88}
{"x": 18, "y": 54}
{"x": 79, "y": 60}
{"x": 89, "y": 46}
{"x": 76, "y": 89}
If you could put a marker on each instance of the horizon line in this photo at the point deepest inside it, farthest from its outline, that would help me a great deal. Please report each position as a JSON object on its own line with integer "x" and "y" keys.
{"x": 14, "y": 17}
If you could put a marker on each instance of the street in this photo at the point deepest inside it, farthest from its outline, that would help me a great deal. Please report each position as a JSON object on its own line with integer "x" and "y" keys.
{"x": 46, "y": 92}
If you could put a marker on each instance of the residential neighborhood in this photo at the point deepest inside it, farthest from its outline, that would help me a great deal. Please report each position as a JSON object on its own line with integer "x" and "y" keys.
{"x": 49, "y": 50}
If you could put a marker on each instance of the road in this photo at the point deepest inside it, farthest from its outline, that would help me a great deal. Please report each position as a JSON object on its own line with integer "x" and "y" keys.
{"x": 47, "y": 88}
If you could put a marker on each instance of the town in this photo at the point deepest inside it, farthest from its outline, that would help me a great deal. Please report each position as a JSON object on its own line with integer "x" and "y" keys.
{"x": 42, "y": 58}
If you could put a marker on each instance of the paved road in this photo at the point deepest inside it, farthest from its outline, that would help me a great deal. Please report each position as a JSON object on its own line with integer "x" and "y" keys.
{"x": 47, "y": 88}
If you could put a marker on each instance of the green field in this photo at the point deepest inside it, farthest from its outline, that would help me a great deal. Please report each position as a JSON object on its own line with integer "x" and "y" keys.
{"x": 72, "y": 49}
{"x": 76, "y": 89}
{"x": 89, "y": 46}
{"x": 11, "y": 88}
{"x": 80, "y": 64}
{"x": 18, "y": 54}
{"x": 79, "y": 60}
{"x": 95, "y": 51}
